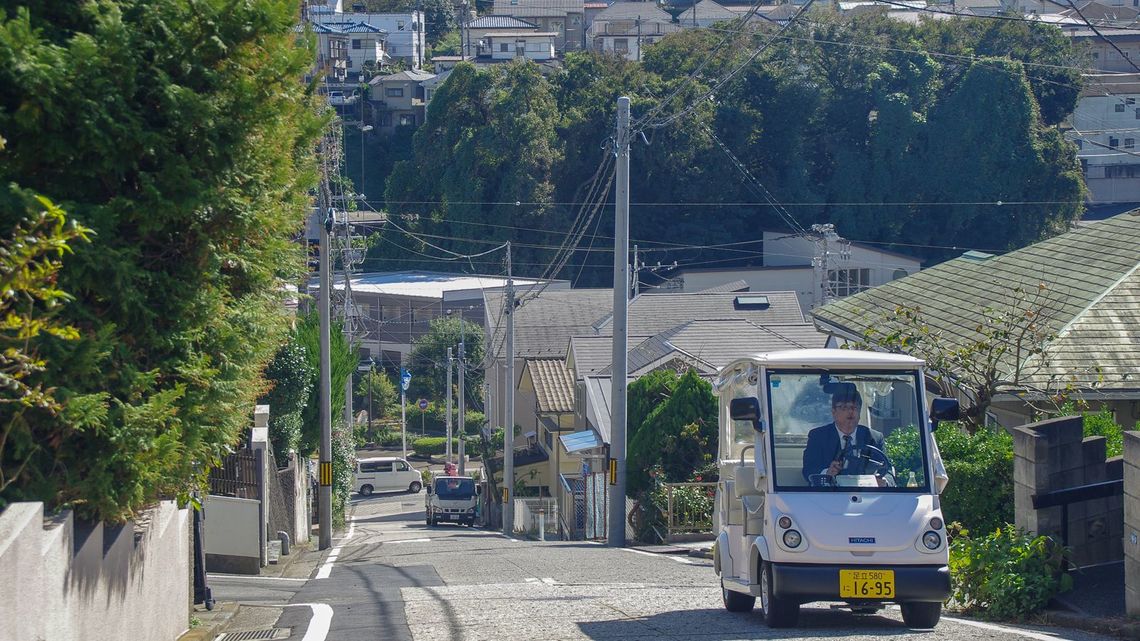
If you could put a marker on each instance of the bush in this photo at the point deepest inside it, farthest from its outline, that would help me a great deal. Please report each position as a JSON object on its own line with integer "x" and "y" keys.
{"x": 432, "y": 445}
{"x": 1007, "y": 574}
{"x": 980, "y": 466}
{"x": 1103, "y": 424}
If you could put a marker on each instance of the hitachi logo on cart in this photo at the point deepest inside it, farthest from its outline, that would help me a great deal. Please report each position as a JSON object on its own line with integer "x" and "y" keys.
{"x": 861, "y": 539}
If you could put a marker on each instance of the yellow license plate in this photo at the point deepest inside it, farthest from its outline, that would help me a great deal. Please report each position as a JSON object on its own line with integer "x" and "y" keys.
{"x": 867, "y": 584}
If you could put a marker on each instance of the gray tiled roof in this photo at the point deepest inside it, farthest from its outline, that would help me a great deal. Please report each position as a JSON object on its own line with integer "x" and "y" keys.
{"x": 592, "y": 354}
{"x": 734, "y": 286}
{"x": 705, "y": 10}
{"x": 625, "y": 10}
{"x": 544, "y": 325}
{"x": 500, "y": 22}
{"x": 1091, "y": 290}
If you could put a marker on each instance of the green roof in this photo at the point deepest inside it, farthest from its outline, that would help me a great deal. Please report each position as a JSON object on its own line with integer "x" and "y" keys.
{"x": 1092, "y": 289}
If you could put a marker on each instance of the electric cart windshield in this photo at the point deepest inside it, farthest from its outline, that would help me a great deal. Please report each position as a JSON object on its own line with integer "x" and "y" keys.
{"x": 851, "y": 431}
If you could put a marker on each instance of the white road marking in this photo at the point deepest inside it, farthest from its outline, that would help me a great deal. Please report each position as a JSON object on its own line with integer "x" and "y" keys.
{"x": 681, "y": 559}
{"x": 318, "y": 625}
{"x": 641, "y": 552}
{"x": 1029, "y": 634}
{"x": 550, "y": 581}
{"x": 255, "y": 578}
{"x": 326, "y": 569}
{"x": 409, "y": 541}
{"x": 531, "y": 579}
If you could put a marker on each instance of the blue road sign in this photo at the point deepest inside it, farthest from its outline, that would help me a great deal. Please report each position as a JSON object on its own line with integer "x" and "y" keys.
{"x": 405, "y": 378}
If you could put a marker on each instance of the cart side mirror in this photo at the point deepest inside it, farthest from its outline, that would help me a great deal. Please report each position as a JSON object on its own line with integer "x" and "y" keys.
{"x": 428, "y": 488}
{"x": 746, "y": 409}
{"x": 943, "y": 409}
{"x": 479, "y": 490}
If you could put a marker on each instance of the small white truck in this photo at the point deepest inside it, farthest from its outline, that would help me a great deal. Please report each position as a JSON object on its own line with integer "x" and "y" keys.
{"x": 451, "y": 498}
{"x": 810, "y": 504}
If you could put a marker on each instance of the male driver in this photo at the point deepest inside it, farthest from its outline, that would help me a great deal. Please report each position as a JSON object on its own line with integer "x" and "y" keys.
{"x": 830, "y": 448}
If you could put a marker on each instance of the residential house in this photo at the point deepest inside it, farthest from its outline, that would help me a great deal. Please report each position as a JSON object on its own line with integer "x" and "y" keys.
{"x": 406, "y": 30}
{"x": 396, "y": 308}
{"x": 537, "y": 46}
{"x": 475, "y": 30}
{"x": 788, "y": 264}
{"x": 626, "y": 27}
{"x": 363, "y": 44}
{"x": 563, "y": 17}
{"x": 546, "y": 326}
{"x": 1085, "y": 284}
{"x": 1105, "y": 56}
{"x": 431, "y": 85}
{"x": 1104, "y": 127}
{"x": 398, "y": 99}
{"x": 332, "y": 54}
{"x": 705, "y": 13}
{"x": 591, "y": 10}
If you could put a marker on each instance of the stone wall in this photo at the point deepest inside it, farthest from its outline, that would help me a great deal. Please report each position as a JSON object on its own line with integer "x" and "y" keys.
{"x": 68, "y": 580}
{"x": 1132, "y": 523}
{"x": 1054, "y": 455}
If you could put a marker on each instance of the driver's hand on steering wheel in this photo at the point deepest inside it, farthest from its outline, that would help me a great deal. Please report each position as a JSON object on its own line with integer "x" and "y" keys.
{"x": 834, "y": 468}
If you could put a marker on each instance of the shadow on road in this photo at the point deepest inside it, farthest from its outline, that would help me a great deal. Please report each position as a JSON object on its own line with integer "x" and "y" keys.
{"x": 718, "y": 625}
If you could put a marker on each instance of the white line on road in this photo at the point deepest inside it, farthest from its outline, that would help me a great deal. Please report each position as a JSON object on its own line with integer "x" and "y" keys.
{"x": 550, "y": 581}
{"x": 326, "y": 569}
{"x": 531, "y": 579}
{"x": 254, "y": 578}
{"x": 1001, "y": 628}
{"x": 681, "y": 559}
{"x": 319, "y": 625}
{"x": 641, "y": 552}
{"x": 409, "y": 541}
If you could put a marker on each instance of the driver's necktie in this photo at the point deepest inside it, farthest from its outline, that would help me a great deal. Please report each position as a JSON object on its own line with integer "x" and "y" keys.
{"x": 846, "y": 449}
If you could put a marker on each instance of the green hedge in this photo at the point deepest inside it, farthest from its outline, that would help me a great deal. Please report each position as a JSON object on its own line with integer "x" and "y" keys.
{"x": 980, "y": 466}
{"x": 433, "y": 445}
{"x": 1006, "y": 574}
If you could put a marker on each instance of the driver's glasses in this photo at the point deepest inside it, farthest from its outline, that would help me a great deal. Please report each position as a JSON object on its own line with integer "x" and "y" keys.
{"x": 846, "y": 407}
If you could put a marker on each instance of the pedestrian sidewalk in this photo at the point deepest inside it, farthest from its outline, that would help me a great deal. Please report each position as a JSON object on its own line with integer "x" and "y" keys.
{"x": 229, "y": 616}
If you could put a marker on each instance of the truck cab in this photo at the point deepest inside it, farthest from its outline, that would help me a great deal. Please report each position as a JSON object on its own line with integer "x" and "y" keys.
{"x": 829, "y": 484}
{"x": 453, "y": 499}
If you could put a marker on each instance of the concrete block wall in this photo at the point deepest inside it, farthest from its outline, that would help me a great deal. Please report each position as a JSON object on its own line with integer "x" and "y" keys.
{"x": 1131, "y": 466}
{"x": 70, "y": 581}
{"x": 1054, "y": 455}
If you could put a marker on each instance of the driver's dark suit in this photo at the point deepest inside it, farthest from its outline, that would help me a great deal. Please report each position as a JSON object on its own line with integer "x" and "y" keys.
{"x": 824, "y": 446}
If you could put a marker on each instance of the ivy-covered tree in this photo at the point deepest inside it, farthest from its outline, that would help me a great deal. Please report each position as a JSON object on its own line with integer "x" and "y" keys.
{"x": 181, "y": 133}
{"x": 343, "y": 362}
{"x": 428, "y": 360}
{"x": 679, "y": 434}
{"x": 291, "y": 375}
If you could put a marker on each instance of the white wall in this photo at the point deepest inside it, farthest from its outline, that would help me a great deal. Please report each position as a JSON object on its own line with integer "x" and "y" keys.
{"x": 407, "y": 43}
{"x": 1099, "y": 123}
{"x": 65, "y": 582}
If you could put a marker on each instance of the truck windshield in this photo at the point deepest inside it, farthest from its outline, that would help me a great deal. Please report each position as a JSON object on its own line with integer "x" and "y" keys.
{"x": 455, "y": 488}
{"x": 847, "y": 430}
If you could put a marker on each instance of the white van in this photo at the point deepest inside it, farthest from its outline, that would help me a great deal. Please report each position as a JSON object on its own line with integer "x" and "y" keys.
{"x": 384, "y": 473}
{"x": 829, "y": 483}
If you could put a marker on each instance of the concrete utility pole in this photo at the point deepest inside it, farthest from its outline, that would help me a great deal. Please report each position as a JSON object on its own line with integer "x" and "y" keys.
{"x": 346, "y": 264}
{"x": 462, "y": 394}
{"x": 615, "y": 529}
{"x": 325, "y": 463}
{"x": 509, "y": 427}
{"x": 448, "y": 388}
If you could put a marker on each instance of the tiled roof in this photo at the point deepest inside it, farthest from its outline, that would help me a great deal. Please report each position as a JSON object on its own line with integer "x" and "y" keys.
{"x": 705, "y": 10}
{"x": 734, "y": 286}
{"x": 1091, "y": 294}
{"x": 544, "y": 325}
{"x": 625, "y": 10}
{"x": 500, "y": 22}
{"x": 553, "y": 386}
{"x": 590, "y": 355}
{"x": 346, "y": 27}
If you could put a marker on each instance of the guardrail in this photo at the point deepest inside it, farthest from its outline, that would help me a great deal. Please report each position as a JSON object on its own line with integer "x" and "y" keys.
{"x": 689, "y": 508}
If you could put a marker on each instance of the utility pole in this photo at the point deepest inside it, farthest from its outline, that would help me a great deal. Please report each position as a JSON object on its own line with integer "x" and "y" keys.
{"x": 509, "y": 428}
{"x": 346, "y": 264}
{"x": 636, "y": 274}
{"x": 616, "y": 517}
{"x": 448, "y": 388}
{"x": 462, "y": 393}
{"x": 325, "y": 463}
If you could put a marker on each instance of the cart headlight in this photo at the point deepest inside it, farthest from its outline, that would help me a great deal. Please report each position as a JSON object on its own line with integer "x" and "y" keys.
{"x": 470, "y": 510}
{"x": 792, "y": 539}
{"x": 936, "y": 523}
{"x": 784, "y": 522}
{"x": 931, "y": 540}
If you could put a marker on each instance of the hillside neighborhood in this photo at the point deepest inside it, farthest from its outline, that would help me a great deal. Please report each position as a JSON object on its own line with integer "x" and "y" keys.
{"x": 570, "y": 319}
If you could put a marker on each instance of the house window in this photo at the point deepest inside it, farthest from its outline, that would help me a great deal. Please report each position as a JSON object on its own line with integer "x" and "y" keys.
{"x": 621, "y": 45}
{"x": 504, "y": 47}
{"x": 407, "y": 120}
{"x": 1080, "y": 143}
{"x": 1122, "y": 171}
{"x": 394, "y": 92}
{"x": 845, "y": 282}
{"x": 1129, "y": 101}
{"x": 1138, "y": 113}
{"x": 1113, "y": 142}
{"x": 1129, "y": 143}
{"x": 356, "y": 43}
{"x": 1084, "y": 166}
{"x": 1118, "y": 108}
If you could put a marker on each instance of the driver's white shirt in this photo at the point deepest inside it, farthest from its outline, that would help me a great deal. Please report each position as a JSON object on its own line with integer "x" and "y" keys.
{"x": 854, "y": 439}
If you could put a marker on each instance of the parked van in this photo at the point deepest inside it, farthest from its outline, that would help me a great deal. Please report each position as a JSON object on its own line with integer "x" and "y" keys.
{"x": 829, "y": 483}
{"x": 383, "y": 474}
{"x": 451, "y": 498}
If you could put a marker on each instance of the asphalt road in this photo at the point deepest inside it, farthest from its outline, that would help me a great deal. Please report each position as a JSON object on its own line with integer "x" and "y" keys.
{"x": 395, "y": 578}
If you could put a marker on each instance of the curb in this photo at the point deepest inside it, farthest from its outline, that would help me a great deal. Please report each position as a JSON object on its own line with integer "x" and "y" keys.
{"x": 1123, "y": 628}
{"x": 704, "y": 553}
{"x": 212, "y": 623}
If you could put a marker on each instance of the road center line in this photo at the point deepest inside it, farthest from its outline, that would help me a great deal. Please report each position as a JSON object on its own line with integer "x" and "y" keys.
{"x": 318, "y": 625}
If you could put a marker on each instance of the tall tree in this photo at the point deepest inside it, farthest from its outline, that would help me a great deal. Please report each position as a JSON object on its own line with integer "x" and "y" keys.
{"x": 428, "y": 360}
{"x": 188, "y": 151}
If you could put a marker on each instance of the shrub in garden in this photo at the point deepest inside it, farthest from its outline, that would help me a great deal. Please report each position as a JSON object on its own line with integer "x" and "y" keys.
{"x": 980, "y": 467}
{"x": 433, "y": 445}
{"x": 1006, "y": 574}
